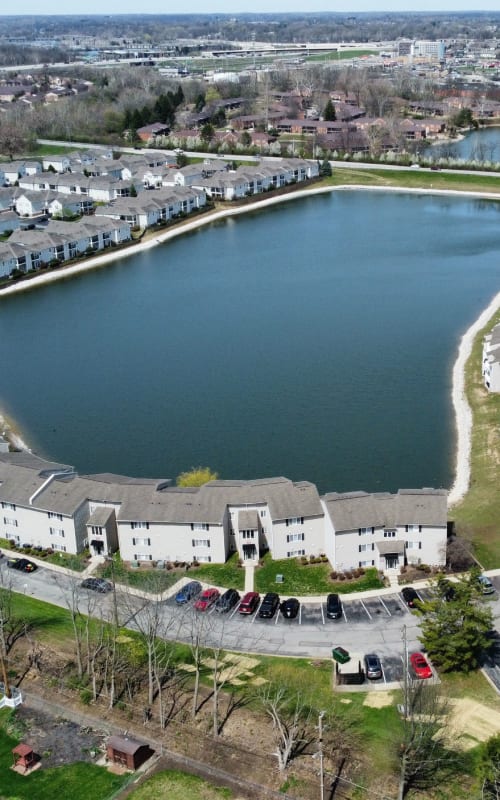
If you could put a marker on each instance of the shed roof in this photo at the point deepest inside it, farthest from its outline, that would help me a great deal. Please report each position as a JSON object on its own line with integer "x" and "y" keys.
{"x": 124, "y": 744}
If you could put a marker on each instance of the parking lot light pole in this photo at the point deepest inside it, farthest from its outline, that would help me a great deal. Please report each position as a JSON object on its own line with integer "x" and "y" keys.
{"x": 111, "y": 562}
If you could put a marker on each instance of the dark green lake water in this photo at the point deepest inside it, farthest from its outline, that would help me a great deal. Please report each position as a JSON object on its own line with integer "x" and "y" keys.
{"x": 315, "y": 340}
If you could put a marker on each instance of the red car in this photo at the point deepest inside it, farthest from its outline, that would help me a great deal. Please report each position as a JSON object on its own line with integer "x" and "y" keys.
{"x": 249, "y": 603}
{"x": 420, "y": 666}
{"x": 206, "y": 599}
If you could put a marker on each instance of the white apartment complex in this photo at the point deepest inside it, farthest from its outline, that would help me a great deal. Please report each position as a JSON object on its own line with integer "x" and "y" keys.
{"x": 491, "y": 360}
{"x": 48, "y": 505}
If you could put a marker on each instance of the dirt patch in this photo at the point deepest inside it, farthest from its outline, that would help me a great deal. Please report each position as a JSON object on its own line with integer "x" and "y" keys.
{"x": 58, "y": 741}
{"x": 475, "y": 721}
{"x": 378, "y": 699}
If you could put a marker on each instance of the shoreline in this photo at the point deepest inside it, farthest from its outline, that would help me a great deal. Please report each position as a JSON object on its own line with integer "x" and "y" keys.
{"x": 461, "y": 408}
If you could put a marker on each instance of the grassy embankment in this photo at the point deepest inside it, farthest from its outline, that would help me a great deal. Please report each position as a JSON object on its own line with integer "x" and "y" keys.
{"x": 478, "y": 515}
{"x": 378, "y": 177}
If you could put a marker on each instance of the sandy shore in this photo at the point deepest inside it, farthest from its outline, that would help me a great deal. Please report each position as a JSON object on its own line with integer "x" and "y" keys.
{"x": 463, "y": 415}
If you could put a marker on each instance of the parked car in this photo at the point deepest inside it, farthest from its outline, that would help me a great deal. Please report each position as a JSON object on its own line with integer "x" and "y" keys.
{"x": 290, "y": 608}
{"x": 420, "y": 666}
{"x": 373, "y": 667}
{"x": 206, "y": 599}
{"x": 23, "y": 565}
{"x": 485, "y": 585}
{"x": 97, "y": 585}
{"x": 333, "y": 606}
{"x": 227, "y": 601}
{"x": 190, "y": 590}
{"x": 410, "y": 596}
{"x": 249, "y": 603}
{"x": 269, "y": 605}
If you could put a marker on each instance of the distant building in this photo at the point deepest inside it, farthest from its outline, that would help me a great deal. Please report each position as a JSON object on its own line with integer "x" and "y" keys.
{"x": 491, "y": 360}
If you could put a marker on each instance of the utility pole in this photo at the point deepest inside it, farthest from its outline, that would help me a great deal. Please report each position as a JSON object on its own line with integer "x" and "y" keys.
{"x": 320, "y": 755}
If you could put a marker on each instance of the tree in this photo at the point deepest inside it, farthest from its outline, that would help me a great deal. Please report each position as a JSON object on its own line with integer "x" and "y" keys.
{"x": 329, "y": 114}
{"x": 455, "y": 632}
{"x": 207, "y": 132}
{"x": 197, "y": 476}
{"x": 424, "y": 752}
{"x": 489, "y": 770}
{"x": 291, "y": 716}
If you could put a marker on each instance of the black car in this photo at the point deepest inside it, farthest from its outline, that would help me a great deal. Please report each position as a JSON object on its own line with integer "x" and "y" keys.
{"x": 333, "y": 606}
{"x": 410, "y": 596}
{"x": 23, "y": 565}
{"x": 97, "y": 585}
{"x": 227, "y": 601}
{"x": 290, "y": 608}
{"x": 373, "y": 667}
{"x": 269, "y": 605}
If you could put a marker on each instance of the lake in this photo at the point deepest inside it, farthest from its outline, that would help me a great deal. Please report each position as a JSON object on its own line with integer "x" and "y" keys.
{"x": 480, "y": 145}
{"x": 314, "y": 340}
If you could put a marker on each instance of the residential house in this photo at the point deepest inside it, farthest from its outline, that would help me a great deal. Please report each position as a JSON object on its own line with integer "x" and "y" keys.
{"x": 9, "y": 221}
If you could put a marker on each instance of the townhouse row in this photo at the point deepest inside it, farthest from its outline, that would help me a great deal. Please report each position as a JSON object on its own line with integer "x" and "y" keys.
{"x": 48, "y": 505}
{"x": 491, "y": 360}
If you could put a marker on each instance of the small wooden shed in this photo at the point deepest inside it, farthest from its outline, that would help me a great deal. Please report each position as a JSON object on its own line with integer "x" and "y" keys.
{"x": 128, "y": 752}
{"x": 24, "y": 757}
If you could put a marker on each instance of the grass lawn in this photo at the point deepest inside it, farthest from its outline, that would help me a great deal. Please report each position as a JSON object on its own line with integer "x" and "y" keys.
{"x": 151, "y": 580}
{"x": 78, "y": 781}
{"x": 414, "y": 179}
{"x": 477, "y": 516}
{"x": 178, "y": 786}
{"x": 297, "y": 579}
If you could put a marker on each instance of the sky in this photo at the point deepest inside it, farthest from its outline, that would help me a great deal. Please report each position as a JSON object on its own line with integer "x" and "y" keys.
{"x": 85, "y": 7}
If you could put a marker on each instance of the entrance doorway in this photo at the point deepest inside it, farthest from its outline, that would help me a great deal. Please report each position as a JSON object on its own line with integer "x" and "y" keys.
{"x": 249, "y": 552}
{"x": 97, "y": 546}
{"x": 391, "y": 561}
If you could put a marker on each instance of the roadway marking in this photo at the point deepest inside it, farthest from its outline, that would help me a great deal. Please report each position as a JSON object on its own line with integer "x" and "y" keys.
{"x": 385, "y": 606}
{"x": 369, "y": 615}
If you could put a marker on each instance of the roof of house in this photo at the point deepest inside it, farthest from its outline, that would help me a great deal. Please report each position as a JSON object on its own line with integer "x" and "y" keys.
{"x": 353, "y": 510}
{"x": 124, "y": 744}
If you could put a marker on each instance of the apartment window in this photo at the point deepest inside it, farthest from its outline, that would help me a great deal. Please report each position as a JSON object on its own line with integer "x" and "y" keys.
{"x": 389, "y": 534}
{"x": 60, "y": 547}
{"x": 295, "y": 521}
{"x": 143, "y": 557}
{"x": 263, "y": 512}
{"x": 141, "y": 542}
{"x": 13, "y": 537}
{"x": 413, "y": 528}
{"x": 362, "y": 548}
{"x": 9, "y": 506}
{"x": 248, "y": 534}
{"x": 413, "y": 545}
{"x": 138, "y": 525}
{"x": 292, "y": 553}
{"x": 53, "y": 515}
{"x": 57, "y": 532}
{"x": 10, "y": 521}
{"x": 201, "y": 542}
{"x": 206, "y": 559}
{"x": 96, "y": 530}
{"x": 295, "y": 537}
{"x": 365, "y": 531}
{"x": 366, "y": 563}
{"x": 199, "y": 526}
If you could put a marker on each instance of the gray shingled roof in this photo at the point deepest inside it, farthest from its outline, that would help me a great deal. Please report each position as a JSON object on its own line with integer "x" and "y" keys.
{"x": 355, "y": 510}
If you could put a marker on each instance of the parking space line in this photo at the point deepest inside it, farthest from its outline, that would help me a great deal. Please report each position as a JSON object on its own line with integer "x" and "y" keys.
{"x": 403, "y": 604}
{"x": 369, "y": 615}
{"x": 300, "y": 614}
{"x": 322, "y": 614}
{"x": 385, "y": 606}
{"x": 234, "y": 611}
{"x": 344, "y": 615}
{"x": 278, "y": 612}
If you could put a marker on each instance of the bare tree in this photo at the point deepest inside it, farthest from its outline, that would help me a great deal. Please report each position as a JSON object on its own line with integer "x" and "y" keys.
{"x": 291, "y": 715}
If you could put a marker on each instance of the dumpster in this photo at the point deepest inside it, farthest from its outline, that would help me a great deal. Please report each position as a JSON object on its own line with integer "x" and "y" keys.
{"x": 340, "y": 655}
